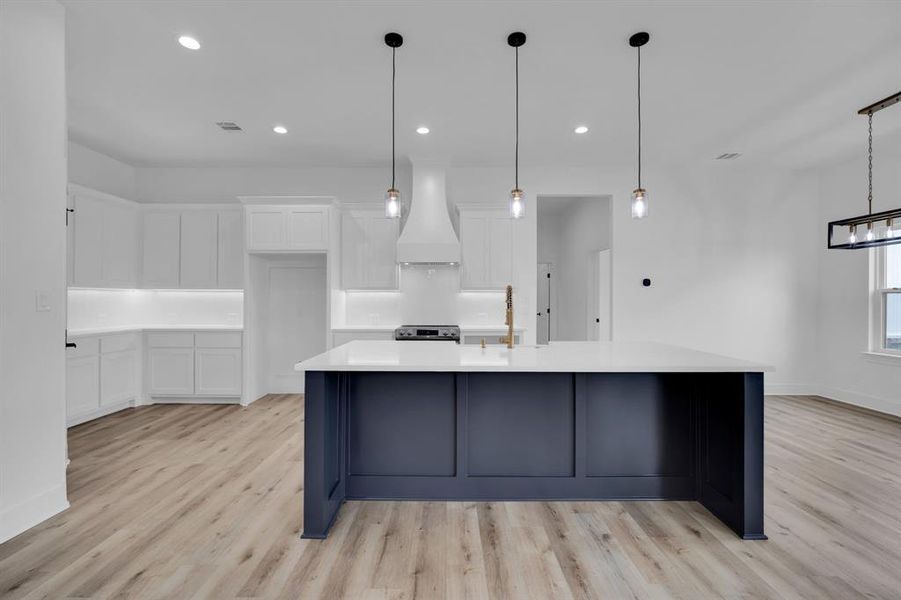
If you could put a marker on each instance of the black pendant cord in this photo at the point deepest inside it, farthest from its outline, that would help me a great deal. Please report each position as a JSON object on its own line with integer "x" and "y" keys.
{"x": 516, "y": 151}
{"x": 639, "y": 117}
{"x": 393, "y": 79}
{"x": 870, "y": 165}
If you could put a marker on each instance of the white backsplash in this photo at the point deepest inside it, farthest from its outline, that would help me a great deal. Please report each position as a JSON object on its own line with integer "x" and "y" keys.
{"x": 428, "y": 295}
{"x": 93, "y": 308}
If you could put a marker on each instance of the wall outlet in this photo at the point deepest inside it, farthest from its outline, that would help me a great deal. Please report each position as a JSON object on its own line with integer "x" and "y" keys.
{"x": 42, "y": 301}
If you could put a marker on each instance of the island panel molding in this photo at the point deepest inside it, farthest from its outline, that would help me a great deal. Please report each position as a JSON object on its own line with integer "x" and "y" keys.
{"x": 533, "y": 435}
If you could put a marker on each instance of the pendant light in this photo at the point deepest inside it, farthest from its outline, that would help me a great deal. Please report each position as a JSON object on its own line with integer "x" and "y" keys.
{"x": 871, "y": 220}
{"x": 393, "y": 205}
{"x": 517, "y": 196}
{"x": 639, "y": 194}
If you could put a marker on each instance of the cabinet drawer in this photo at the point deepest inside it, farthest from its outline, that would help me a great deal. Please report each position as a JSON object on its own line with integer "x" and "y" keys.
{"x": 170, "y": 340}
{"x": 84, "y": 346}
{"x": 230, "y": 339}
{"x": 118, "y": 343}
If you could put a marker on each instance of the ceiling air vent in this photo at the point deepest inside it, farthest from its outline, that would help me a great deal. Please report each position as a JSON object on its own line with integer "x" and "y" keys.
{"x": 728, "y": 156}
{"x": 228, "y": 126}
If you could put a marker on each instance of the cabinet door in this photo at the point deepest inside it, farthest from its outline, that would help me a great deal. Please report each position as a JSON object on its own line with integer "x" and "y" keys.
{"x": 161, "y": 249}
{"x": 218, "y": 371}
{"x": 118, "y": 372}
{"x": 199, "y": 247}
{"x": 231, "y": 251}
{"x": 88, "y": 243}
{"x": 171, "y": 371}
{"x": 381, "y": 253}
{"x": 120, "y": 247}
{"x": 265, "y": 228}
{"x": 82, "y": 385}
{"x": 473, "y": 252}
{"x": 500, "y": 252}
{"x": 353, "y": 251}
{"x": 307, "y": 228}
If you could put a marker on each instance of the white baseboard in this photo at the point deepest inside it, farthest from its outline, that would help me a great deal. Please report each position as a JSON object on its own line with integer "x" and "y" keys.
{"x": 25, "y": 515}
{"x": 863, "y": 400}
{"x": 790, "y": 389}
{"x": 100, "y": 412}
{"x": 196, "y": 400}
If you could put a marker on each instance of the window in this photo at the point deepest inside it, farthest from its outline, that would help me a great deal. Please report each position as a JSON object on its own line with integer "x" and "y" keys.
{"x": 887, "y": 300}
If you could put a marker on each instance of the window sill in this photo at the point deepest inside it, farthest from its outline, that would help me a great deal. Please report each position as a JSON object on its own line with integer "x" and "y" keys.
{"x": 883, "y": 358}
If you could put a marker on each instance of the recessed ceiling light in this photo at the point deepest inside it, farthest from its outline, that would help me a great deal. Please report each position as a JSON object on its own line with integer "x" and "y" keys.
{"x": 422, "y": 130}
{"x": 280, "y": 129}
{"x": 581, "y": 129}
{"x": 189, "y": 42}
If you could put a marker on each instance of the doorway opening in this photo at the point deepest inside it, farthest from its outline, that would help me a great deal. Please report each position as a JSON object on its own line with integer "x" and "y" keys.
{"x": 287, "y": 316}
{"x": 574, "y": 270}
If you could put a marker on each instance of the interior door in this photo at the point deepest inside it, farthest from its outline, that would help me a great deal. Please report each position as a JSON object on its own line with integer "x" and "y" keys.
{"x": 296, "y": 323}
{"x": 543, "y": 325}
{"x": 599, "y": 300}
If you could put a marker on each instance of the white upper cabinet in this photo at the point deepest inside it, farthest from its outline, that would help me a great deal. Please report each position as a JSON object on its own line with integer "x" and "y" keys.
{"x": 102, "y": 231}
{"x": 275, "y": 228}
{"x": 199, "y": 249}
{"x": 368, "y": 250}
{"x": 116, "y": 243}
{"x": 87, "y": 224}
{"x": 231, "y": 250}
{"x": 266, "y": 228}
{"x": 120, "y": 248}
{"x": 195, "y": 248}
{"x": 307, "y": 227}
{"x": 486, "y": 246}
{"x": 161, "y": 240}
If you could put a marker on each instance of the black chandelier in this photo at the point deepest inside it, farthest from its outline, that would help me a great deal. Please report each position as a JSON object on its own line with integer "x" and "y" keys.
{"x": 872, "y": 229}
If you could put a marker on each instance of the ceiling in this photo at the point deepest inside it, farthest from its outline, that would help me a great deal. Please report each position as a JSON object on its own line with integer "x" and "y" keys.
{"x": 776, "y": 81}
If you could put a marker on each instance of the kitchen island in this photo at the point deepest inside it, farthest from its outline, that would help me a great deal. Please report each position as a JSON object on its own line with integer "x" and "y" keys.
{"x": 568, "y": 421}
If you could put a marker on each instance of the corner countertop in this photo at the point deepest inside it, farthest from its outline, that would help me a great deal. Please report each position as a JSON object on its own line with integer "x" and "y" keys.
{"x": 557, "y": 357}
{"x": 73, "y": 333}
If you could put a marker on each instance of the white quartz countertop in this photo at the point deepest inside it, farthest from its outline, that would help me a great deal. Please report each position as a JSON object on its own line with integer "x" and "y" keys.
{"x": 138, "y": 328}
{"x": 567, "y": 357}
{"x": 391, "y": 328}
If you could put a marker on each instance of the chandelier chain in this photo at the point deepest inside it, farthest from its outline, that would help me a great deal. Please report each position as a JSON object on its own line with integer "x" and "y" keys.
{"x": 639, "y": 117}
{"x": 870, "y": 165}
{"x": 516, "y": 150}
{"x": 393, "y": 78}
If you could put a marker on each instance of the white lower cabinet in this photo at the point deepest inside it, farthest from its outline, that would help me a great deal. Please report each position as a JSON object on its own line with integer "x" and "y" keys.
{"x": 104, "y": 373}
{"x": 101, "y": 376}
{"x": 192, "y": 365}
{"x": 82, "y": 386}
{"x": 218, "y": 371}
{"x": 171, "y": 371}
{"x": 118, "y": 377}
{"x": 342, "y": 337}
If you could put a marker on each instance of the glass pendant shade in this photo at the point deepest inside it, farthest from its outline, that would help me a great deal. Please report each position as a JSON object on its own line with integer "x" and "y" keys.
{"x": 517, "y": 203}
{"x": 639, "y": 203}
{"x": 392, "y": 203}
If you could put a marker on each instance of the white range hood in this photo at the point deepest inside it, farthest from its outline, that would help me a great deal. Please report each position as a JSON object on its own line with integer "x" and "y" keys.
{"x": 428, "y": 236}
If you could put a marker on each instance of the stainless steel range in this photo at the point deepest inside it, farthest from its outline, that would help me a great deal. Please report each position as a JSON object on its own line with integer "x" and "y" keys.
{"x": 448, "y": 333}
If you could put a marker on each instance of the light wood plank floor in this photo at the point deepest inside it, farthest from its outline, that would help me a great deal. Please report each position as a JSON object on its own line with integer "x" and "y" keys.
{"x": 205, "y": 502}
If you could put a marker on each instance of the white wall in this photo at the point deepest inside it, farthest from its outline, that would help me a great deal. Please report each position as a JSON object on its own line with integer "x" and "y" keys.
{"x": 845, "y": 372}
{"x": 101, "y": 172}
{"x": 32, "y": 260}
{"x": 114, "y": 308}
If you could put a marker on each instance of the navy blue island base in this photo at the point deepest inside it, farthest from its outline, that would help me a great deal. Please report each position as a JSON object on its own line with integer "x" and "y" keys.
{"x": 373, "y": 435}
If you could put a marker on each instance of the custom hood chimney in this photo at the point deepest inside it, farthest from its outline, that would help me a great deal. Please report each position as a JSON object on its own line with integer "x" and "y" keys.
{"x": 428, "y": 236}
